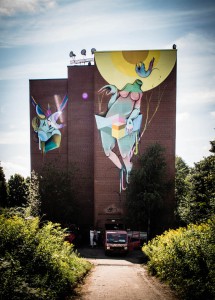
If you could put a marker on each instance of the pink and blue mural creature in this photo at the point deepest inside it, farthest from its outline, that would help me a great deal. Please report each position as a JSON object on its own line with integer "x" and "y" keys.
{"x": 129, "y": 75}
{"x": 121, "y": 125}
{"x": 46, "y": 127}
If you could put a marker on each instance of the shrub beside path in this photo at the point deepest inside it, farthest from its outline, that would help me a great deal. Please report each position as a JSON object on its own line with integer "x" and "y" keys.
{"x": 116, "y": 278}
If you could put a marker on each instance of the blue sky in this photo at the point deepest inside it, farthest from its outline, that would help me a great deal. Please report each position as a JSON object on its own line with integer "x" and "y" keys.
{"x": 36, "y": 37}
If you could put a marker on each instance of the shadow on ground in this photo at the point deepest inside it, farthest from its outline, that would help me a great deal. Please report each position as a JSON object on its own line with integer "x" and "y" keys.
{"x": 135, "y": 256}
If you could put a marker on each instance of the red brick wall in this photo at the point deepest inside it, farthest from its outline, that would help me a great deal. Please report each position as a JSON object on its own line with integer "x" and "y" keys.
{"x": 80, "y": 136}
{"x": 109, "y": 203}
{"x": 98, "y": 178}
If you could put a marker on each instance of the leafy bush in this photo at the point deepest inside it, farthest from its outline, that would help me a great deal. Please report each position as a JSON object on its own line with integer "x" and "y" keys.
{"x": 185, "y": 259}
{"x": 36, "y": 263}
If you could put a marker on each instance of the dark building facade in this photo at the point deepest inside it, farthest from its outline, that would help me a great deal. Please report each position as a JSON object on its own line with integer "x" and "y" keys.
{"x": 100, "y": 119}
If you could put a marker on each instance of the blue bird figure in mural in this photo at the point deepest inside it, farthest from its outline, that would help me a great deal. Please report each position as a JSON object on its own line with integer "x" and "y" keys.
{"x": 141, "y": 69}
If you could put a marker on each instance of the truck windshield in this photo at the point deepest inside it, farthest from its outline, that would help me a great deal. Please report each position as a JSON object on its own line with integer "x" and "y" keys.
{"x": 116, "y": 238}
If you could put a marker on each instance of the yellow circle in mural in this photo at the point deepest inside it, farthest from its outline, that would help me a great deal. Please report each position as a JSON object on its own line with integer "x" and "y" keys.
{"x": 122, "y": 67}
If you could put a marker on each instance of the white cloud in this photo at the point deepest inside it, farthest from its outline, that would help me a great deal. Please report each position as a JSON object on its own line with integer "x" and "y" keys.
{"x": 196, "y": 95}
{"x": 11, "y": 168}
{"x": 87, "y": 19}
{"x": 192, "y": 149}
{"x": 181, "y": 117}
{"x": 9, "y": 8}
{"x": 212, "y": 113}
{"x": 196, "y": 60}
{"x": 14, "y": 137}
{"x": 196, "y": 55}
{"x": 79, "y": 21}
{"x": 31, "y": 71}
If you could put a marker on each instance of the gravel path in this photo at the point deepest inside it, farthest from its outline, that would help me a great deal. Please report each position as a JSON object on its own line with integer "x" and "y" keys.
{"x": 120, "y": 278}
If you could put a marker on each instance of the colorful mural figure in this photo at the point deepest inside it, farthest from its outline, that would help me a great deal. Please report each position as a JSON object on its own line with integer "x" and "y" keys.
{"x": 46, "y": 127}
{"x": 129, "y": 74}
{"x": 121, "y": 124}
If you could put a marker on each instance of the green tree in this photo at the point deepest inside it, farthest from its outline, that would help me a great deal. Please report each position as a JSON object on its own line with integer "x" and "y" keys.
{"x": 58, "y": 196}
{"x": 17, "y": 191}
{"x": 212, "y": 146}
{"x": 3, "y": 188}
{"x": 182, "y": 187}
{"x": 202, "y": 193}
{"x": 33, "y": 203}
{"x": 147, "y": 188}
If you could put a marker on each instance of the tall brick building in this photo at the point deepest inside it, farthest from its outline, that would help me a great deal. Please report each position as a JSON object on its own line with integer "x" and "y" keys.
{"x": 112, "y": 110}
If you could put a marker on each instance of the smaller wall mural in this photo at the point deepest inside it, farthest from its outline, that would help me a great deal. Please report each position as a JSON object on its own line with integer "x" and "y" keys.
{"x": 46, "y": 125}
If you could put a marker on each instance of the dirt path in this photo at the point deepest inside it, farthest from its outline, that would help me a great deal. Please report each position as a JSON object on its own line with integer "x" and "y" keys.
{"x": 116, "y": 278}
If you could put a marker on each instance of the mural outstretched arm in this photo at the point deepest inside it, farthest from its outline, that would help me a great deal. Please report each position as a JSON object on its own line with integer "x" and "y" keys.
{"x": 110, "y": 90}
{"x": 134, "y": 114}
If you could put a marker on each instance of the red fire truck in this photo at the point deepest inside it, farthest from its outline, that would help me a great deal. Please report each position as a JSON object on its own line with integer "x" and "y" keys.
{"x": 116, "y": 241}
{"x": 122, "y": 241}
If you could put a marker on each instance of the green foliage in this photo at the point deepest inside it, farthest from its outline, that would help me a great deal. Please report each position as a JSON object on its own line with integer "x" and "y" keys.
{"x": 17, "y": 191}
{"x": 3, "y": 188}
{"x": 196, "y": 192}
{"x": 212, "y": 146}
{"x": 33, "y": 203}
{"x": 58, "y": 195}
{"x": 147, "y": 187}
{"x": 185, "y": 259}
{"x": 182, "y": 187}
{"x": 202, "y": 194}
{"x": 35, "y": 261}
{"x": 11, "y": 211}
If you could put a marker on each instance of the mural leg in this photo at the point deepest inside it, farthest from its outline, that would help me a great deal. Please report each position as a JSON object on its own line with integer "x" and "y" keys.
{"x": 125, "y": 147}
{"x": 112, "y": 156}
{"x": 108, "y": 143}
{"x": 53, "y": 142}
{"x": 128, "y": 165}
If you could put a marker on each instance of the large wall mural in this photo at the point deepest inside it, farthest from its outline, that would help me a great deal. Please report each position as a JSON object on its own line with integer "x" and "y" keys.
{"x": 47, "y": 124}
{"x": 129, "y": 74}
